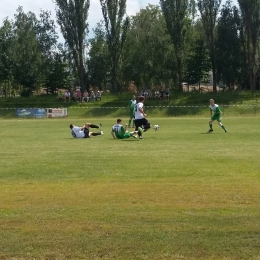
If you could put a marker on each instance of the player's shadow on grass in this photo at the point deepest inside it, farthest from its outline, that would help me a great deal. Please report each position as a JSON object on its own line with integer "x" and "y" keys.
{"x": 208, "y": 133}
{"x": 130, "y": 140}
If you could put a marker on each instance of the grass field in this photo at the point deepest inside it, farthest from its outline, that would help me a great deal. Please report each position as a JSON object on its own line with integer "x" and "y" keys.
{"x": 179, "y": 194}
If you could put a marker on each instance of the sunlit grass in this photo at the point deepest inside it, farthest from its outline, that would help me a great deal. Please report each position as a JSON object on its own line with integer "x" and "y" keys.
{"x": 179, "y": 194}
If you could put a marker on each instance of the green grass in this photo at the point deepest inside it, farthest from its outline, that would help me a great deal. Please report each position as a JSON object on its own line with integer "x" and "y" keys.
{"x": 179, "y": 194}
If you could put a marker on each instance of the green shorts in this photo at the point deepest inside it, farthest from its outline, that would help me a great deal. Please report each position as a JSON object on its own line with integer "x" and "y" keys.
{"x": 216, "y": 117}
{"x": 125, "y": 136}
{"x": 132, "y": 114}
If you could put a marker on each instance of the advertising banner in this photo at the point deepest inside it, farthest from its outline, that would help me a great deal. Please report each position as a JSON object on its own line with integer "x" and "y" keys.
{"x": 24, "y": 112}
{"x": 39, "y": 113}
{"x": 57, "y": 112}
{"x": 30, "y": 112}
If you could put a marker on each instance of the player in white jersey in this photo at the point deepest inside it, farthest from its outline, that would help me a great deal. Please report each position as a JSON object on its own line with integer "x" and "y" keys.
{"x": 83, "y": 132}
{"x": 141, "y": 123}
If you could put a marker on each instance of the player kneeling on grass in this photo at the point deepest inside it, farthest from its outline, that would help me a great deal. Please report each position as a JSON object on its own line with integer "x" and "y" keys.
{"x": 83, "y": 132}
{"x": 216, "y": 116}
{"x": 120, "y": 132}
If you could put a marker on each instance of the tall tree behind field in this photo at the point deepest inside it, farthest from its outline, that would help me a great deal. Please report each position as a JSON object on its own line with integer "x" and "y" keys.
{"x": 98, "y": 62}
{"x": 175, "y": 12}
{"x": 27, "y": 52}
{"x": 148, "y": 53}
{"x": 250, "y": 11}
{"x": 116, "y": 24}
{"x": 230, "y": 56}
{"x": 47, "y": 38}
{"x": 7, "y": 59}
{"x": 72, "y": 17}
{"x": 209, "y": 10}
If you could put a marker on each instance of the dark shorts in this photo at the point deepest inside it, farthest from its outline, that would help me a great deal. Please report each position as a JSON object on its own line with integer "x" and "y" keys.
{"x": 141, "y": 122}
{"x": 86, "y": 132}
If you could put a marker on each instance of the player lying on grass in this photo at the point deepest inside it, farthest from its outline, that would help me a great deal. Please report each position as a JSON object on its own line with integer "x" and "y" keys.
{"x": 83, "y": 132}
{"x": 120, "y": 132}
{"x": 216, "y": 116}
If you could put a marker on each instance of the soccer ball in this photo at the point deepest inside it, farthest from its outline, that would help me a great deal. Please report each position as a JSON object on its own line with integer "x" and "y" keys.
{"x": 156, "y": 127}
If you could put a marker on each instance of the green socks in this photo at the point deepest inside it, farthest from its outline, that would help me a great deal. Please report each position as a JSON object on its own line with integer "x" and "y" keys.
{"x": 224, "y": 128}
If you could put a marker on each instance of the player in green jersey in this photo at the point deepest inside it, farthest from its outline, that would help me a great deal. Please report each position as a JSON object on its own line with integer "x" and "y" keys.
{"x": 131, "y": 109}
{"x": 120, "y": 132}
{"x": 216, "y": 116}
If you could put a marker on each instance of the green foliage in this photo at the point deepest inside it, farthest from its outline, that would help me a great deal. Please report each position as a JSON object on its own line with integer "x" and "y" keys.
{"x": 174, "y": 12}
{"x": 155, "y": 47}
{"x": 72, "y": 17}
{"x": 209, "y": 10}
{"x": 198, "y": 63}
{"x": 153, "y": 64}
{"x": 116, "y": 25}
{"x": 250, "y": 14}
{"x": 229, "y": 58}
{"x": 99, "y": 60}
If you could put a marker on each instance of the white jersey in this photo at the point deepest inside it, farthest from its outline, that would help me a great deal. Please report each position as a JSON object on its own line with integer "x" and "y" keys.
{"x": 138, "y": 114}
{"x": 77, "y": 132}
{"x": 213, "y": 108}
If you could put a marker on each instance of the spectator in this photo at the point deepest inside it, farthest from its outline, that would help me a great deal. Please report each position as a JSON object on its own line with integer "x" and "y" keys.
{"x": 67, "y": 96}
{"x": 98, "y": 95}
{"x": 61, "y": 95}
{"x": 161, "y": 94}
{"x": 145, "y": 94}
{"x": 85, "y": 96}
{"x": 92, "y": 96}
{"x": 157, "y": 94}
{"x": 166, "y": 94}
{"x": 78, "y": 95}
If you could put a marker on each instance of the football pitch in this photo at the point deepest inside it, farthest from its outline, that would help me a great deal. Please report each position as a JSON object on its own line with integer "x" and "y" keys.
{"x": 179, "y": 194}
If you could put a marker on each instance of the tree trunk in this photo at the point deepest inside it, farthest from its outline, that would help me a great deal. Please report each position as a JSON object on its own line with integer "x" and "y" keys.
{"x": 214, "y": 77}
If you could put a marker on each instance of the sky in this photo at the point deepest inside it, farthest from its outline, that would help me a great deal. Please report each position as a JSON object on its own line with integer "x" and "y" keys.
{"x": 8, "y": 9}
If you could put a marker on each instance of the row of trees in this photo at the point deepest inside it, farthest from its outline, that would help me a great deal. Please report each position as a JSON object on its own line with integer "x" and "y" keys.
{"x": 178, "y": 41}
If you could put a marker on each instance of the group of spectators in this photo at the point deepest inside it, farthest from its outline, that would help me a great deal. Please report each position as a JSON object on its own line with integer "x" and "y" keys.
{"x": 78, "y": 96}
{"x": 155, "y": 94}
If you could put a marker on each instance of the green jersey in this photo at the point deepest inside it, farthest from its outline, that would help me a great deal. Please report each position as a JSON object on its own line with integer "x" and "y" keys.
{"x": 131, "y": 104}
{"x": 119, "y": 132}
{"x": 217, "y": 112}
{"x": 215, "y": 109}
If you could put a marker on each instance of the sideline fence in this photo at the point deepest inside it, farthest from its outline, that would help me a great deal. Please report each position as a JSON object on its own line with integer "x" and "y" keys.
{"x": 155, "y": 111}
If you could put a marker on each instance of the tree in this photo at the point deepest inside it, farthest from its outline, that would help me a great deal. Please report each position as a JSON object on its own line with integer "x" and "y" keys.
{"x": 174, "y": 12}
{"x": 6, "y": 53}
{"x": 116, "y": 25}
{"x": 208, "y": 11}
{"x": 72, "y": 17}
{"x": 197, "y": 63}
{"x": 98, "y": 62}
{"x": 58, "y": 75}
{"x": 153, "y": 64}
{"x": 250, "y": 12}
{"x": 27, "y": 52}
{"x": 229, "y": 55}
{"x": 47, "y": 38}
